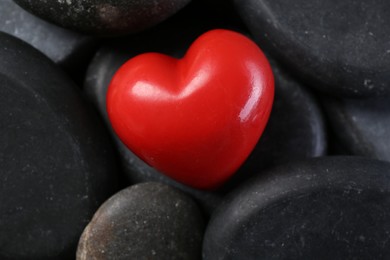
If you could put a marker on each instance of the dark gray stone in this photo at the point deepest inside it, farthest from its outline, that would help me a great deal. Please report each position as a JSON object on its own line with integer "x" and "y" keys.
{"x": 341, "y": 47}
{"x": 360, "y": 126}
{"x": 57, "y": 163}
{"x": 144, "y": 221}
{"x": 68, "y": 49}
{"x": 323, "y": 208}
{"x": 104, "y": 17}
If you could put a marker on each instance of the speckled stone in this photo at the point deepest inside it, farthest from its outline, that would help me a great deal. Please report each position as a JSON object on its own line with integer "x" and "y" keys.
{"x": 144, "y": 221}
{"x": 57, "y": 163}
{"x": 360, "y": 126}
{"x": 327, "y": 208}
{"x": 340, "y": 47}
{"x": 104, "y": 17}
{"x": 68, "y": 49}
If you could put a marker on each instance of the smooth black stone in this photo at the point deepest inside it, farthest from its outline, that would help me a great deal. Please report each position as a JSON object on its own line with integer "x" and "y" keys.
{"x": 295, "y": 130}
{"x": 341, "y": 47}
{"x": 144, "y": 221}
{"x": 324, "y": 208}
{"x": 104, "y": 17}
{"x": 57, "y": 163}
{"x": 68, "y": 49}
{"x": 360, "y": 126}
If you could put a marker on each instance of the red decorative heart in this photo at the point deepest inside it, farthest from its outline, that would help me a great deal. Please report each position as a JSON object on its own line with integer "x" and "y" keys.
{"x": 196, "y": 119}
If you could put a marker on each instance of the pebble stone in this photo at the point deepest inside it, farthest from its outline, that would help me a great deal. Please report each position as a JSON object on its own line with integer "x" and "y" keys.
{"x": 327, "y": 208}
{"x": 341, "y": 47}
{"x": 104, "y": 17}
{"x": 144, "y": 221}
{"x": 68, "y": 49}
{"x": 360, "y": 126}
{"x": 57, "y": 163}
{"x": 296, "y": 128}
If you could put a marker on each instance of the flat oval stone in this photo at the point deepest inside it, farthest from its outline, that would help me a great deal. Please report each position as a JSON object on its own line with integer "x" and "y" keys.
{"x": 104, "y": 17}
{"x": 331, "y": 207}
{"x": 340, "y": 47}
{"x": 360, "y": 126}
{"x": 57, "y": 163}
{"x": 68, "y": 49}
{"x": 296, "y": 129}
{"x": 144, "y": 221}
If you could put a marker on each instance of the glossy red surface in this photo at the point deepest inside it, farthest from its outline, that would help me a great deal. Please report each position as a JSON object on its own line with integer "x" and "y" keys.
{"x": 195, "y": 119}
